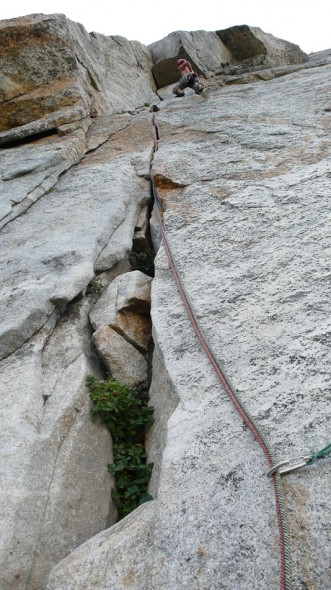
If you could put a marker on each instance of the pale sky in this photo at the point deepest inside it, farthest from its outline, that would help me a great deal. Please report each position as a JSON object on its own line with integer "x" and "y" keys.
{"x": 304, "y": 22}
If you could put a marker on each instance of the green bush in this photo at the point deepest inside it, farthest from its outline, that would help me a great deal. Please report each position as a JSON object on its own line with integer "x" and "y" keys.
{"x": 143, "y": 261}
{"x": 94, "y": 286}
{"x": 125, "y": 412}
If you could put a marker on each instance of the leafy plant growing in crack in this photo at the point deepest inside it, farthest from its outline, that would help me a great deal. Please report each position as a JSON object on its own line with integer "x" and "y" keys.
{"x": 143, "y": 261}
{"x": 126, "y": 413}
{"x": 94, "y": 286}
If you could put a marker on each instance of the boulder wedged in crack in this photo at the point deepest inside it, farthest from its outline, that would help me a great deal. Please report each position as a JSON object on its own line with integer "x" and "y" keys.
{"x": 124, "y": 555}
{"x": 123, "y": 327}
{"x": 243, "y": 180}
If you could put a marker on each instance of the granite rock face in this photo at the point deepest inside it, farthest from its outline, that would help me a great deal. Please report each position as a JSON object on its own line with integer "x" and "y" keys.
{"x": 54, "y": 73}
{"x": 251, "y": 43}
{"x": 77, "y": 221}
{"x": 106, "y": 559}
{"x": 206, "y": 52}
{"x": 243, "y": 180}
{"x": 55, "y": 488}
{"x": 30, "y": 171}
{"x": 212, "y": 53}
{"x": 54, "y": 482}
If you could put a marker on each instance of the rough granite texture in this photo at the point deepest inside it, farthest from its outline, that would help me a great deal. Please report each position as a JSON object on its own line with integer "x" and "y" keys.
{"x": 254, "y": 208}
{"x": 244, "y": 183}
{"x": 210, "y": 53}
{"x": 53, "y": 73}
{"x": 244, "y": 180}
{"x": 246, "y": 43}
{"x": 95, "y": 195}
{"x": 55, "y": 488}
{"x": 54, "y": 482}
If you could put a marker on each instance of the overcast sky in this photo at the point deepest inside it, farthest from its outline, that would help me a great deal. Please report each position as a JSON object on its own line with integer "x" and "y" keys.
{"x": 304, "y": 22}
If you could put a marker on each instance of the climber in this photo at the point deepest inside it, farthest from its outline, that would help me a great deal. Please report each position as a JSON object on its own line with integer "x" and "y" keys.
{"x": 189, "y": 79}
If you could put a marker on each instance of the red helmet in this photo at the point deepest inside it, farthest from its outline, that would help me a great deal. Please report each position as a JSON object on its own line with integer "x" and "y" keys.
{"x": 181, "y": 62}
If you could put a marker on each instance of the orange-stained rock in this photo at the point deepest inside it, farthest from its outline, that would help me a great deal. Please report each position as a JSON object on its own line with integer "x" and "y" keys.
{"x": 39, "y": 70}
{"x": 51, "y": 66}
{"x": 124, "y": 306}
{"x": 134, "y": 327}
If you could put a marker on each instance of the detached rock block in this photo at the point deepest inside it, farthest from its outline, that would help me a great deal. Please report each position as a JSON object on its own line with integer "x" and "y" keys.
{"x": 123, "y": 360}
{"x": 141, "y": 238}
{"x": 125, "y": 306}
{"x": 123, "y": 327}
{"x": 135, "y": 328}
{"x": 97, "y": 563}
{"x": 134, "y": 293}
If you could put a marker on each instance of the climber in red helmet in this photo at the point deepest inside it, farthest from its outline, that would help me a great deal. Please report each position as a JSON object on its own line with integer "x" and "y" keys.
{"x": 189, "y": 79}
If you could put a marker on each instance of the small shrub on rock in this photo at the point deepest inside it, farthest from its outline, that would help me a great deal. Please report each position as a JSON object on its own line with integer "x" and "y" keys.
{"x": 126, "y": 413}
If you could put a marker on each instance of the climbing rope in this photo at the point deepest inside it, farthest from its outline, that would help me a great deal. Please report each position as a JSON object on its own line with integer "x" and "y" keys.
{"x": 284, "y": 541}
{"x": 276, "y": 470}
{"x": 285, "y": 552}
